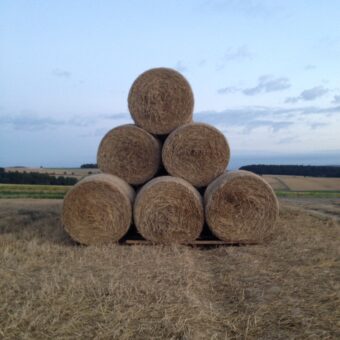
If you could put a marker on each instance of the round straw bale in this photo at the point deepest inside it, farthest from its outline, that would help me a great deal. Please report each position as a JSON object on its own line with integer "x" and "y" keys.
{"x": 98, "y": 209}
{"x": 129, "y": 152}
{"x": 196, "y": 152}
{"x": 240, "y": 206}
{"x": 160, "y": 100}
{"x": 169, "y": 210}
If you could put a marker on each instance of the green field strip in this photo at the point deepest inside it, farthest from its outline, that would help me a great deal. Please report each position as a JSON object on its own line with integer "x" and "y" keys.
{"x": 33, "y": 191}
{"x": 31, "y": 195}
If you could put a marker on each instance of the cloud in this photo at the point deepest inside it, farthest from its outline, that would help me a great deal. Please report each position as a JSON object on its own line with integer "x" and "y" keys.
{"x": 314, "y": 126}
{"x": 251, "y": 8}
{"x": 32, "y": 122}
{"x": 238, "y": 53}
{"x": 308, "y": 95}
{"x": 247, "y": 119}
{"x": 288, "y": 140}
{"x": 266, "y": 83}
{"x": 202, "y": 62}
{"x": 116, "y": 116}
{"x": 336, "y": 100}
{"x": 29, "y": 122}
{"x": 227, "y": 90}
{"x": 273, "y": 125}
{"x": 274, "y": 118}
{"x": 180, "y": 67}
{"x": 310, "y": 67}
{"x": 61, "y": 73}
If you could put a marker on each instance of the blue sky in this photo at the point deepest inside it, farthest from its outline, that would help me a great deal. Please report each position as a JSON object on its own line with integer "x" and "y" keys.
{"x": 264, "y": 72}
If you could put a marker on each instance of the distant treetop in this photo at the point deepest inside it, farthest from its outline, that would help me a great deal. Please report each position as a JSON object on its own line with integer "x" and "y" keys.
{"x": 89, "y": 166}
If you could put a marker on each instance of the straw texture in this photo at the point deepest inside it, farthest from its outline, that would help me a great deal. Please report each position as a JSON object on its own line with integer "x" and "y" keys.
{"x": 98, "y": 209}
{"x": 169, "y": 210}
{"x": 197, "y": 152}
{"x": 160, "y": 100}
{"x": 131, "y": 153}
{"x": 240, "y": 206}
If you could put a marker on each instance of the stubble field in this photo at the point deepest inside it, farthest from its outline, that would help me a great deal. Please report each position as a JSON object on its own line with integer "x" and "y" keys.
{"x": 52, "y": 288}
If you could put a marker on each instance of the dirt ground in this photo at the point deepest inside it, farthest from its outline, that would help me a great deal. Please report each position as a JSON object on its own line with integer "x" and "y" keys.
{"x": 286, "y": 289}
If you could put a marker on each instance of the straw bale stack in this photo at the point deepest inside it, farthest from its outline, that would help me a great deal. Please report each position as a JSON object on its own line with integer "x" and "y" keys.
{"x": 131, "y": 153}
{"x": 160, "y": 100}
{"x": 169, "y": 210}
{"x": 240, "y": 206}
{"x": 98, "y": 209}
{"x": 196, "y": 152}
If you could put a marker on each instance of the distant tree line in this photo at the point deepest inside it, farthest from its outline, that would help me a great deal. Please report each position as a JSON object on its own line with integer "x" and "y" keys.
{"x": 89, "y": 166}
{"x": 295, "y": 170}
{"x": 34, "y": 178}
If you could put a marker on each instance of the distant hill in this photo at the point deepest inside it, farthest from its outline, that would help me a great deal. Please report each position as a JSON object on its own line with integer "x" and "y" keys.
{"x": 295, "y": 170}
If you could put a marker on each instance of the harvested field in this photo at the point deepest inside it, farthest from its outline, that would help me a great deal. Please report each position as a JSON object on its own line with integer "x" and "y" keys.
{"x": 52, "y": 288}
{"x": 300, "y": 183}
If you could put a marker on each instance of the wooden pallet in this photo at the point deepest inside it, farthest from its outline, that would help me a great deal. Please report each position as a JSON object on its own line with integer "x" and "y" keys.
{"x": 200, "y": 243}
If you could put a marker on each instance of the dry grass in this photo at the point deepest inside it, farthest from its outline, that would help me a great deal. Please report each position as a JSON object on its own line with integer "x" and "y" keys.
{"x": 51, "y": 288}
{"x": 302, "y": 183}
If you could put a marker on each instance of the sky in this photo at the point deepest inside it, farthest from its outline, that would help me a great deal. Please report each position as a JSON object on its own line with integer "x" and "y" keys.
{"x": 266, "y": 73}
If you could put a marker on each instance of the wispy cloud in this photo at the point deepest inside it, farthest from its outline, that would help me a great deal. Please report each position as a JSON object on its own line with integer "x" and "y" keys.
{"x": 288, "y": 140}
{"x": 274, "y": 118}
{"x": 234, "y": 54}
{"x": 228, "y": 89}
{"x": 61, "y": 73}
{"x": 310, "y": 67}
{"x": 266, "y": 83}
{"x": 33, "y": 121}
{"x": 28, "y": 122}
{"x": 309, "y": 94}
{"x": 202, "y": 62}
{"x": 180, "y": 67}
{"x": 336, "y": 100}
{"x": 238, "y": 53}
{"x": 317, "y": 125}
{"x": 252, "y": 8}
{"x": 247, "y": 119}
